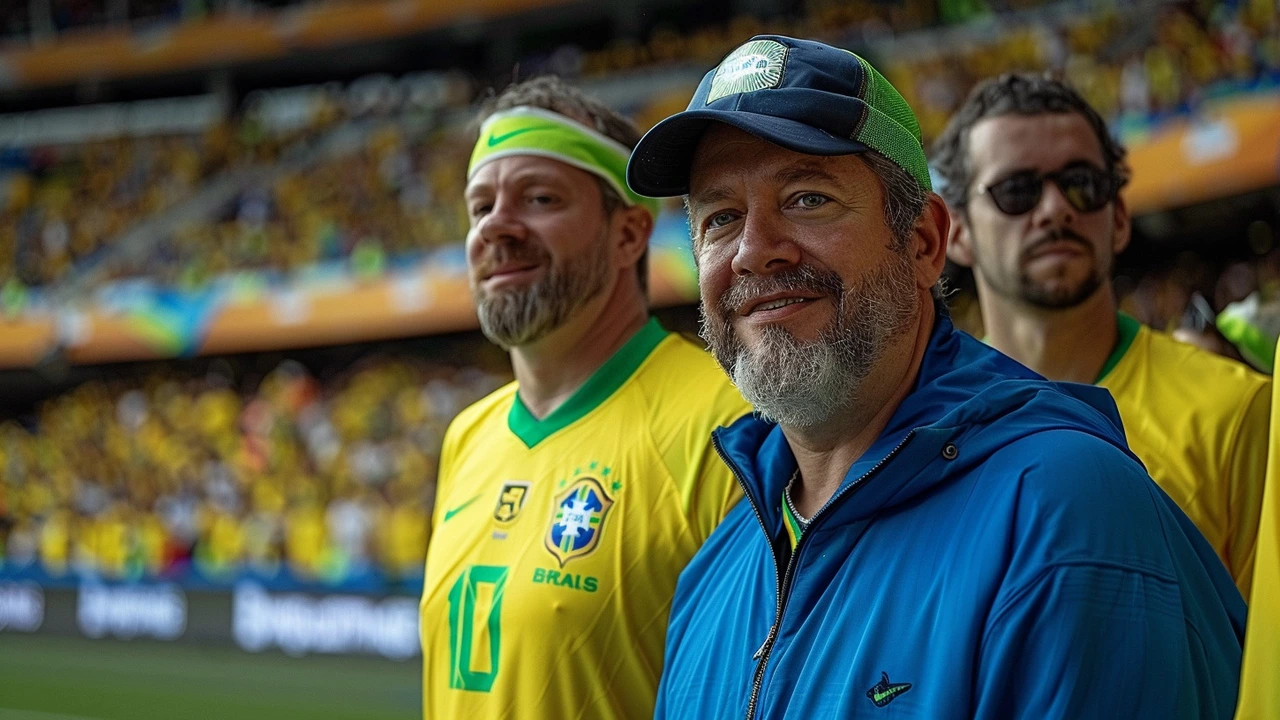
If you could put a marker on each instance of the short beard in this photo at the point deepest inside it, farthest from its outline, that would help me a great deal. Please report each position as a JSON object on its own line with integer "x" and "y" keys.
{"x": 1060, "y": 298}
{"x": 522, "y": 316}
{"x": 1041, "y": 295}
{"x": 804, "y": 385}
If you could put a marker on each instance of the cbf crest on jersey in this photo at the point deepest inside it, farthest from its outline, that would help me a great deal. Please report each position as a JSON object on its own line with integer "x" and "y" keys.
{"x": 577, "y": 520}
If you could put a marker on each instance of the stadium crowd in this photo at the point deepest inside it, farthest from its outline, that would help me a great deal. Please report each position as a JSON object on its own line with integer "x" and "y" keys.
{"x": 390, "y": 197}
{"x": 141, "y": 479}
{"x": 326, "y": 480}
{"x": 1134, "y": 62}
{"x": 1134, "y": 66}
{"x": 63, "y": 207}
{"x": 394, "y": 193}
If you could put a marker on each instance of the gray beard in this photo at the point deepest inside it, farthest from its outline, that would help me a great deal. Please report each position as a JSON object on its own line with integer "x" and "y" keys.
{"x": 804, "y": 385}
{"x": 514, "y": 317}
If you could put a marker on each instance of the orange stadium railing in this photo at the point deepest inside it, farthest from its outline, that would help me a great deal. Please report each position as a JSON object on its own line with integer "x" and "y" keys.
{"x": 219, "y": 40}
{"x": 424, "y": 302}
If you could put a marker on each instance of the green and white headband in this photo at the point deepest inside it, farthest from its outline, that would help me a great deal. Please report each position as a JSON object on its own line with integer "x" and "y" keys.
{"x": 533, "y": 131}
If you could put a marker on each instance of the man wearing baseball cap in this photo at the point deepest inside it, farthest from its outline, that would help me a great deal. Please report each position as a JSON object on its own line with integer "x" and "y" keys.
{"x": 931, "y": 529}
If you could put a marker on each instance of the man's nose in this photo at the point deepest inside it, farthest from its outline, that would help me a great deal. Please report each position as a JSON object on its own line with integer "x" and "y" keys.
{"x": 765, "y": 247}
{"x": 1053, "y": 210}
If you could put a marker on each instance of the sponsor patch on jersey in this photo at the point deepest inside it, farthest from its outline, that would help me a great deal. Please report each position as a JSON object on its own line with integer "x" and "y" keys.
{"x": 510, "y": 501}
{"x": 577, "y": 520}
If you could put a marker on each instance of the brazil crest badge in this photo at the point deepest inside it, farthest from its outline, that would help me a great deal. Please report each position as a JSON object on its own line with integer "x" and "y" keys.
{"x": 577, "y": 520}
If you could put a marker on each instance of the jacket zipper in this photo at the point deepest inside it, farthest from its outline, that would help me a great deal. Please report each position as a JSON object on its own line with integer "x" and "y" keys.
{"x": 784, "y": 579}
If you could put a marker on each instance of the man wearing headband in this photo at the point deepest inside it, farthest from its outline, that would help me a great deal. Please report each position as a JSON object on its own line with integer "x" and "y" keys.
{"x": 1033, "y": 181}
{"x": 929, "y": 529}
{"x": 569, "y": 501}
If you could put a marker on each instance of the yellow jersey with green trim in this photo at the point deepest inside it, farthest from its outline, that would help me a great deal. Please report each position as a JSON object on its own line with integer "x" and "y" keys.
{"x": 557, "y": 542}
{"x": 1260, "y": 667}
{"x": 791, "y": 524}
{"x": 1200, "y": 424}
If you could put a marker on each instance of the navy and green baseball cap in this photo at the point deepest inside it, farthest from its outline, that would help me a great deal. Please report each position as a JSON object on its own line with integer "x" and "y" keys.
{"x": 799, "y": 94}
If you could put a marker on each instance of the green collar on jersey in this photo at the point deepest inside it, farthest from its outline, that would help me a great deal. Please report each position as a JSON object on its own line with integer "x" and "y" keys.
{"x": 602, "y": 384}
{"x": 791, "y": 524}
{"x": 1126, "y": 329}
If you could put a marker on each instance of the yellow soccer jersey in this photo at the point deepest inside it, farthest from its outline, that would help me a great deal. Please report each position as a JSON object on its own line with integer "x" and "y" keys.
{"x": 1199, "y": 423}
{"x": 557, "y": 543}
{"x": 1260, "y": 671}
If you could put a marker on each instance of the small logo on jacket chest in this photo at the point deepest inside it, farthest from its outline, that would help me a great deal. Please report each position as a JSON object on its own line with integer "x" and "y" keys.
{"x": 884, "y": 692}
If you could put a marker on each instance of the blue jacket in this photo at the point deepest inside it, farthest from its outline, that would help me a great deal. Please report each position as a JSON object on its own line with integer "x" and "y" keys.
{"x": 997, "y": 553}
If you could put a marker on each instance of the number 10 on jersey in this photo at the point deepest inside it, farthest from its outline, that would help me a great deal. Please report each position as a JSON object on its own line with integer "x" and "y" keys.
{"x": 475, "y": 631}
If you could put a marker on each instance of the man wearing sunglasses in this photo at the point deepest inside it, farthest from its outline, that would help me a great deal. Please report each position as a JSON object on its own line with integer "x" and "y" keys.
{"x": 1033, "y": 181}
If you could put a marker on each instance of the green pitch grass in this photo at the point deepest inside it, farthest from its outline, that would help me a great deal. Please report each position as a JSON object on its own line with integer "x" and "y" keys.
{"x": 46, "y": 678}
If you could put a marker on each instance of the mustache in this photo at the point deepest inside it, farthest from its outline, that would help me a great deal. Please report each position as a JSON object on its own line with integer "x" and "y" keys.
{"x": 504, "y": 254}
{"x": 800, "y": 278}
{"x": 1053, "y": 236}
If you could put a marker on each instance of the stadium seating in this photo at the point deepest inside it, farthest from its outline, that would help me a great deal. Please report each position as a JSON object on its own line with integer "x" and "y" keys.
{"x": 174, "y": 476}
{"x": 330, "y": 479}
{"x": 395, "y": 193}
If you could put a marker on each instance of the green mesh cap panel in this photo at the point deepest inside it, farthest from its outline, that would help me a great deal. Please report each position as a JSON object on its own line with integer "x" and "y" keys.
{"x": 891, "y": 128}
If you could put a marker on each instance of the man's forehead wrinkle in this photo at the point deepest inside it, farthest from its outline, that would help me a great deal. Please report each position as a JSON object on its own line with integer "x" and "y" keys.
{"x": 809, "y": 169}
{"x": 519, "y": 176}
{"x": 709, "y": 196}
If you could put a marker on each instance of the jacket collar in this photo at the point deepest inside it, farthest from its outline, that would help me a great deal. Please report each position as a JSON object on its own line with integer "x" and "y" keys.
{"x": 963, "y": 389}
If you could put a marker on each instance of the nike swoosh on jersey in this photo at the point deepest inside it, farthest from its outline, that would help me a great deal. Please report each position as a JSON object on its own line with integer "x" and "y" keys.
{"x": 448, "y": 514}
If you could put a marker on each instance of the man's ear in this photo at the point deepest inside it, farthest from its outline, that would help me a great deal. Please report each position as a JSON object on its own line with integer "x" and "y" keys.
{"x": 634, "y": 226}
{"x": 960, "y": 240}
{"x": 930, "y": 251}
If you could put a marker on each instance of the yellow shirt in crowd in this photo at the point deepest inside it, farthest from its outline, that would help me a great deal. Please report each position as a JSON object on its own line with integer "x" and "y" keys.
{"x": 1200, "y": 424}
{"x": 556, "y": 543}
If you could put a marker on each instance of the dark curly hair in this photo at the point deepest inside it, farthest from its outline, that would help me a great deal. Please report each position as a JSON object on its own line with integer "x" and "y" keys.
{"x": 1014, "y": 94}
{"x": 549, "y": 92}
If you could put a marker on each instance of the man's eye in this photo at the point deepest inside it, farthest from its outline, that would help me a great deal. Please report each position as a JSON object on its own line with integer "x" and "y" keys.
{"x": 542, "y": 199}
{"x": 479, "y": 210}
{"x": 811, "y": 200}
{"x": 721, "y": 219}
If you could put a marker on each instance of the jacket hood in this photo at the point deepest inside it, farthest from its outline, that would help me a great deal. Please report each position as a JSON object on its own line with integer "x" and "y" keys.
{"x": 969, "y": 401}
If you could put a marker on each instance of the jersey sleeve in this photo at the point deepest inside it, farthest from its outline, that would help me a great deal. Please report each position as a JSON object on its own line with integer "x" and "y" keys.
{"x": 1246, "y": 469}
{"x": 444, "y": 470}
{"x": 708, "y": 490}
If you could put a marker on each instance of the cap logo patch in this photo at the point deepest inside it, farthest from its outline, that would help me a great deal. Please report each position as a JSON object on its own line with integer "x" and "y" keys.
{"x": 754, "y": 66}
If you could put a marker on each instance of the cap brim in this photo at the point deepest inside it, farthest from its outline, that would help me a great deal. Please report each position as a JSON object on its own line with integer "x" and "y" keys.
{"x": 659, "y": 166}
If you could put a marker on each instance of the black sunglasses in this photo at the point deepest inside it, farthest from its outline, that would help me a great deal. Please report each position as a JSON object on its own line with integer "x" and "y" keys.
{"x": 1087, "y": 188}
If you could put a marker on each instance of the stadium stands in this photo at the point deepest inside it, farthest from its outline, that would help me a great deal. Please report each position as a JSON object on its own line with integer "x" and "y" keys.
{"x": 330, "y": 480}
{"x": 391, "y": 191}
{"x": 289, "y": 480}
